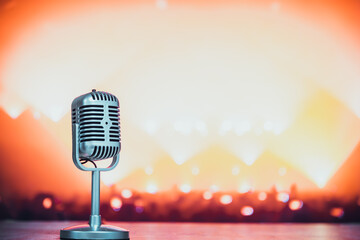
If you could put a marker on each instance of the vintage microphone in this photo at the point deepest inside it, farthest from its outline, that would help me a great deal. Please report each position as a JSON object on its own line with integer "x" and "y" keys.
{"x": 95, "y": 136}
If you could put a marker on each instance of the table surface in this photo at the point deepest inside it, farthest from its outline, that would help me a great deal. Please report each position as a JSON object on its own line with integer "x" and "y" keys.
{"x": 176, "y": 231}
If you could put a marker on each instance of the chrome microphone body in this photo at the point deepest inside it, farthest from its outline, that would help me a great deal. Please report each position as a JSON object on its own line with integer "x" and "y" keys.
{"x": 97, "y": 116}
{"x": 95, "y": 136}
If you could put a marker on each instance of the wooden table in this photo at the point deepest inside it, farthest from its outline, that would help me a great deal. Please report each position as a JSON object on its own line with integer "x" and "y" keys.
{"x": 11, "y": 230}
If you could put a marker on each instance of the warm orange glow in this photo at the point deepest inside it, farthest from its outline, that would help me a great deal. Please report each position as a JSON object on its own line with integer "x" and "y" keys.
{"x": 226, "y": 199}
{"x": 286, "y": 122}
{"x": 337, "y": 212}
{"x": 295, "y": 205}
{"x": 47, "y": 203}
{"x": 247, "y": 211}
{"x": 115, "y": 203}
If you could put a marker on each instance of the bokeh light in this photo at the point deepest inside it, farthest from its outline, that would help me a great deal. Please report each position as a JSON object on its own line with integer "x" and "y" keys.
{"x": 247, "y": 211}
{"x": 226, "y": 199}
{"x": 262, "y": 196}
{"x": 115, "y": 203}
{"x": 185, "y": 188}
{"x": 337, "y": 212}
{"x": 151, "y": 188}
{"x": 295, "y": 205}
{"x": 47, "y": 203}
{"x": 126, "y": 193}
{"x": 207, "y": 195}
{"x": 282, "y": 197}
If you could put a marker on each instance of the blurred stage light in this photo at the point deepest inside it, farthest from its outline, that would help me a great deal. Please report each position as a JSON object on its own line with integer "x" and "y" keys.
{"x": 139, "y": 205}
{"x": 337, "y": 212}
{"x": 47, "y": 203}
{"x": 115, "y": 203}
{"x": 126, "y": 193}
{"x": 295, "y": 205}
{"x": 262, "y": 196}
{"x": 247, "y": 211}
{"x": 214, "y": 188}
{"x": 207, "y": 195}
{"x": 245, "y": 187}
{"x": 151, "y": 188}
{"x": 282, "y": 197}
{"x": 226, "y": 199}
{"x": 185, "y": 188}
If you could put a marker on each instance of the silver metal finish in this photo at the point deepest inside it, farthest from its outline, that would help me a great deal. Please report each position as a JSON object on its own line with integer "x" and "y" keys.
{"x": 96, "y": 136}
{"x": 95, "y": 218}
{"x": 86, "y": 232}
{"x": 97, "y": 116}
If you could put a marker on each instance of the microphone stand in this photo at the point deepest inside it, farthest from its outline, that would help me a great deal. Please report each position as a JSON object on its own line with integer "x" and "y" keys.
{"x": 94, "y": 230}
{"x": 95, "y": 217}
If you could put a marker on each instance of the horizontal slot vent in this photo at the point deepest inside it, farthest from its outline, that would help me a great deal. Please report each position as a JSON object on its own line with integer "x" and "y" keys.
{"x": 91, "y": 106}
{"x": 92, "y": 111}
{"x": 91, "y": 131}
{"x": 91, "y": 114}
{"x": 90, "y": 127}
{"x": 90, "y": 118}
{"x": 92, "y": 135}
{"x": 92, "y": 139}
{"x": 89, "y": 123}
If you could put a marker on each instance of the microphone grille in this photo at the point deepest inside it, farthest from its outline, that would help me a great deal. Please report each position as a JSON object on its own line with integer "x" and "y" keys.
{"x": 103, "y": 152}
{"x": 98, "y": 117}
{"x": 115, "y": 123}
{"x": 90, "y": 117}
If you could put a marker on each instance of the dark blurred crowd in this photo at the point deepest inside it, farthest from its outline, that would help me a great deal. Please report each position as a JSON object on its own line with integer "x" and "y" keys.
{"x": 194, "y": 206}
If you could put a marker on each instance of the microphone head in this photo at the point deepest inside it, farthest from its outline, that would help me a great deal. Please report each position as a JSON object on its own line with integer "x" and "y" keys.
{"x": 97, "y": 114}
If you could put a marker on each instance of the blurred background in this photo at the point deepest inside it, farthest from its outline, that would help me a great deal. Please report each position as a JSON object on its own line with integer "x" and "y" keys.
{"x": 230, "y": 110}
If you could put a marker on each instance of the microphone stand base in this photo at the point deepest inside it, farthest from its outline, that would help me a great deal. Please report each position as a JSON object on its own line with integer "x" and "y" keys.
{"x": 103, "y": 232}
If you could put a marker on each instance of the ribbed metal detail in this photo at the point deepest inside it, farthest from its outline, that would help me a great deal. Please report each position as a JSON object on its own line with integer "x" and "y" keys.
{"x": 103, "y": 152}
{"x": 114, "y": 116}
{"x": 73, "y": 115}
{"x": 103, "y": 96}
{"x": 90, "y": 117}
